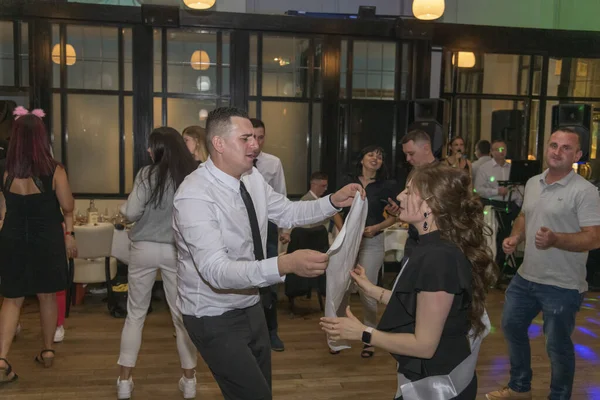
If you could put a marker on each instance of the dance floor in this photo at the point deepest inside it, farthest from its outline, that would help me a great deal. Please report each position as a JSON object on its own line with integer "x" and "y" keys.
{"x": 85, "y": 366}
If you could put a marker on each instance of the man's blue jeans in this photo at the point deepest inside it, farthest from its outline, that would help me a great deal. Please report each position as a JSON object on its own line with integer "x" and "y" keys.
{"x": 523, "y": 301}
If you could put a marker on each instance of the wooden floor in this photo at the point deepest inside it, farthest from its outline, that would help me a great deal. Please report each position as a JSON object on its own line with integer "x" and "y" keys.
{"x": 86, "y": 363}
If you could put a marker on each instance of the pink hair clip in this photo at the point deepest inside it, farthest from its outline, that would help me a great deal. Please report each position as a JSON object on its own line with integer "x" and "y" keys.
{"x": 38, "y": 112}
{"x": 20, "y": 111}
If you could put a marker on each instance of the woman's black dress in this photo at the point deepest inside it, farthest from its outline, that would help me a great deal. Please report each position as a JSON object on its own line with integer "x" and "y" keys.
{"x": 435, "y": 265}
{"x": 33, "y": 256}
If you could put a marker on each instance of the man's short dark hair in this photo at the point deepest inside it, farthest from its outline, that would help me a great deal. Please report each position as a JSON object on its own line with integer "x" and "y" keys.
{"x": 484, "y": 147}
{"x": 416, "y": 135}
{"x": 319, "y": 176}
{"x": 257, "y": 123}
{"x": 569, "y": 129}
{"x": 218, "y": 122}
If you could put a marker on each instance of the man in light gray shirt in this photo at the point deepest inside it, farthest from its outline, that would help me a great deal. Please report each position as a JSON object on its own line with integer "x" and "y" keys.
{"x": 220, "y": 218}
{"x": 560, "y": 223}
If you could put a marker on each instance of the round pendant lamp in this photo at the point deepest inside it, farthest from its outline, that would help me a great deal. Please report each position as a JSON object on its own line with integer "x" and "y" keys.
{"x": 199, "y": 4}
{"x": 71, "y": 55}
{"x": 428, "y": 9}
{"x": 466, "y": 59}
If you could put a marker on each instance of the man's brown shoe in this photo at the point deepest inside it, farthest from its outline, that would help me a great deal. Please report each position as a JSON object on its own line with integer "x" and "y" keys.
{"x": 507, "y": 393}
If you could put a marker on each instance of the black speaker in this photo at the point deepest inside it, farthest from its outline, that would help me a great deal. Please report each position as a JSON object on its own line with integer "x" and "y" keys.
{"x": 507, "y": 125}
{"x": 579, "y": 117}
{"x": 428, "y": 116}
{"x": 160, "y": 16}
{"x": 366, "y": 12}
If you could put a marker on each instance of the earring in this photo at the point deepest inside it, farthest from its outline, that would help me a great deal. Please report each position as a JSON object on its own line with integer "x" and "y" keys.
{"x": 425, "y": 225}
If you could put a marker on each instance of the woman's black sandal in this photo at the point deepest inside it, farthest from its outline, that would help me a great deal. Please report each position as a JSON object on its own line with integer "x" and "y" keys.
{"x": 5, "y": 377}
{"x": 46, "y": 362}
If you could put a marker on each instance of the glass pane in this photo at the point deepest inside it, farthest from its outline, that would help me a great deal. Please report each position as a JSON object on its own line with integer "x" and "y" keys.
{"x": 533, "y": 130}
{"x": 182, "y": 113}
{"x": 93, "y": 146}
{"x": 128, "y": 136}
{"x": 157, "y": 40}
{"x": 20, "y": 98}
{"x": 285, "y": 66}
{"x": 315, "y": 144}
{"x": 252, "y": 109}
{"x": 128, "y": 59}
{"x": 574, "y": 77}
{"x": 491, "y": 73}
{"x": 95, "y": 61}
{"x": 191, "y": 62}
{"x": 253, "y": 64}
{"x": 359, "y": 85}
{"x": 55, "y": 62}
{"x": 493, "y": 120}
{"x": 157, "y": 112}
{"x": 7, "y": 56}
{"x": 287, "y": 129}
{"x": 226, "y": 66}
{"x": 24, "y": 54}
{"x": 55, "y": 134}
{"x": 537, "y": 74}
{"x": 374, "y": 64}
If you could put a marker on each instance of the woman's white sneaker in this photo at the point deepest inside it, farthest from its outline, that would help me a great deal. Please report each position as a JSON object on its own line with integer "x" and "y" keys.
{"x": 59, "y": 334}
{"x": 188, "y": 387}
{"x": 124, "y": 388}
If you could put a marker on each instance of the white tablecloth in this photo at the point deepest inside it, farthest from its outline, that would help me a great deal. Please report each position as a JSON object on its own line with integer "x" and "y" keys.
{"x": 394, "y": 240}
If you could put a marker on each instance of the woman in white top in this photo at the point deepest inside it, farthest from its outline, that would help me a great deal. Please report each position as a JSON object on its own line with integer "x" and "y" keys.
{"x": 150, "y": 206}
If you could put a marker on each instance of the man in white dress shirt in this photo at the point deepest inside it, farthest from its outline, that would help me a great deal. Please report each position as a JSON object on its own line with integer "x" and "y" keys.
{"x": 220, "y": 218}
{"x": 482, "y": 152}
{"x": 505, "y": 201}
{"x": 271, "y": 169}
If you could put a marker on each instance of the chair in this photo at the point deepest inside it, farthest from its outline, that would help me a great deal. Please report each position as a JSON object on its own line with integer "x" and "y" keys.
{"x": 94, "y": 263}
{"x": 315, "y": 238}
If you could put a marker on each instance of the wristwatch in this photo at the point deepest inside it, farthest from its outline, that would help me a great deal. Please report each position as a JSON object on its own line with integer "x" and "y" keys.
{"x": 366, "y": 335}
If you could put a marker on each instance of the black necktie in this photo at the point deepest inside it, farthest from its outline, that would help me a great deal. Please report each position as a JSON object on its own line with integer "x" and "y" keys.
{"x": 258, "y": 250}
{"x": 255, "y": 161}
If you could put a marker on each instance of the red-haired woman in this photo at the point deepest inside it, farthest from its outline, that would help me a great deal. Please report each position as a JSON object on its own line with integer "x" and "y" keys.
{"x": 33, "y": 244}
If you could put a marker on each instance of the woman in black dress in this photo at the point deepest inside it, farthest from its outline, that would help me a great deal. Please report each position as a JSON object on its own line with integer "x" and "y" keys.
{"x": 439, "y": 295}
{"x": 33, "y": 244}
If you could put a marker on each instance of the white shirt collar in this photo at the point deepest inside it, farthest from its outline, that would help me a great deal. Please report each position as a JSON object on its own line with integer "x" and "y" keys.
{"x": 228, "y": 180}
{"x": 506, "y": 164}
{"x": 313, "y": 194}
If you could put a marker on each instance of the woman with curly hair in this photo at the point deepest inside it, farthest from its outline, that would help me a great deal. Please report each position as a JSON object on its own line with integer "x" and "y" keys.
{"x": 438, "y": 299}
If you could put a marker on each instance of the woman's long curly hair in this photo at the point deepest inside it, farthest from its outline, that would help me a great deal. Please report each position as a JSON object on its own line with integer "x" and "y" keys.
{"x": 458, "y": 214}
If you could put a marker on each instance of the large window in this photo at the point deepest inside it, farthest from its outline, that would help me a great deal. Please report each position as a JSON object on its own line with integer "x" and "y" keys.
{"x": 191, "y": 76}
{"x": 93, "y": 107}
{"x": 285, "y": 91}
{"x": 494, "y": 97}
{"x": 367, "y": 69}
{"x": 14, "y": 71}
{"x": 574, "y": 80}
